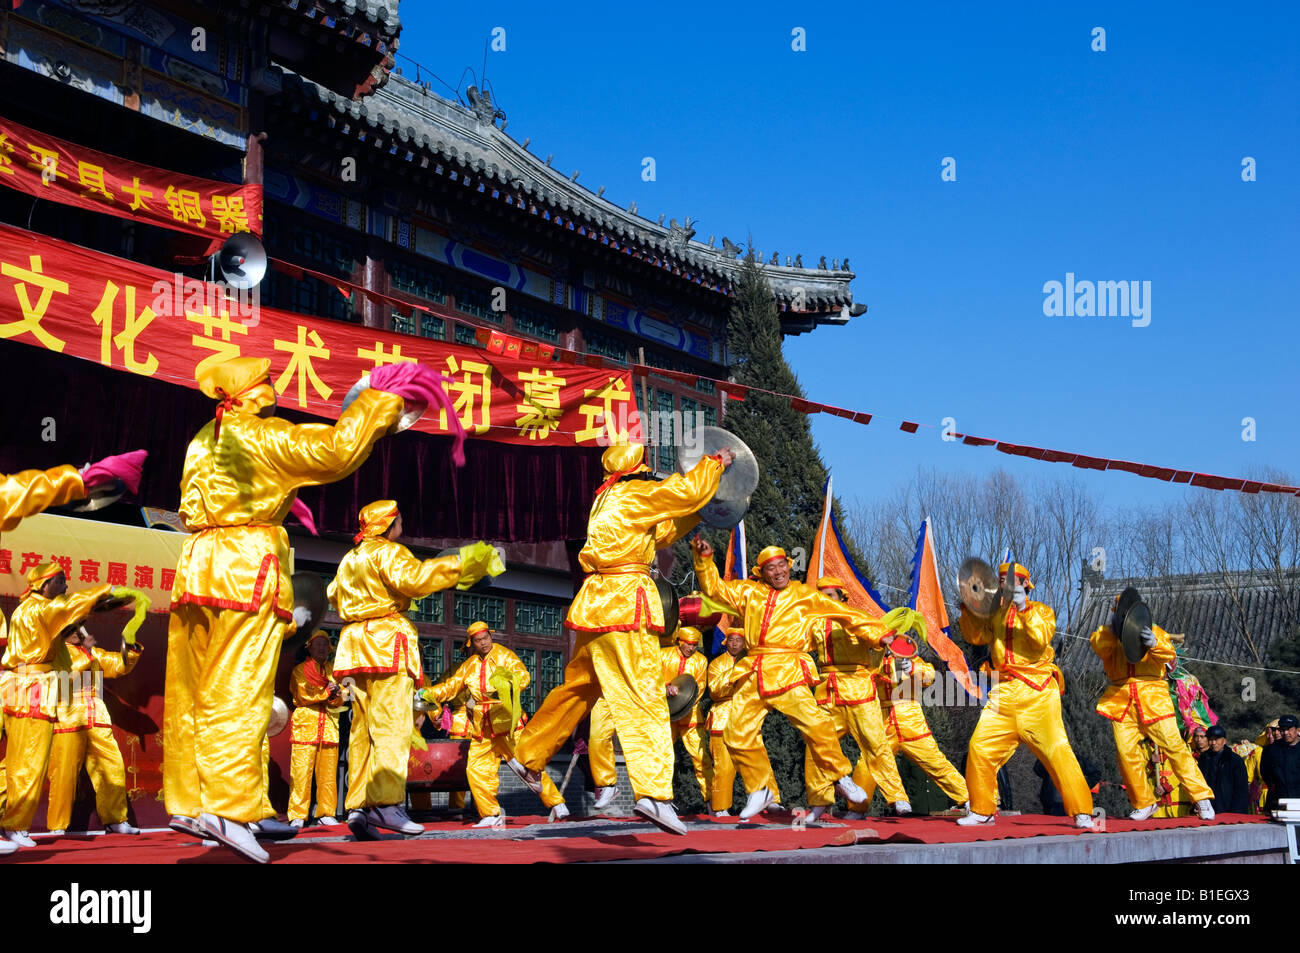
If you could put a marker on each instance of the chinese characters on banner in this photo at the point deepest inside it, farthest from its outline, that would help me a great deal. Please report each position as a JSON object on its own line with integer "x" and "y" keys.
{"x": 121, "y": 314}
{"x": 65, "y": 172}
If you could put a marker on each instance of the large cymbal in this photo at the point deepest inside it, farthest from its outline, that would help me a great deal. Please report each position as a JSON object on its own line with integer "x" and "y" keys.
{"x": 668, "y": 601}
{"x": 687, "y": 691}
{"x": 740, "y": 479}
{"x": 309, "y": 592}
{"x": 980, "y": 590}
{"x": 279, "y": 717}
{"x": 1132, "y": 615}
{"x": 724, "y": 514}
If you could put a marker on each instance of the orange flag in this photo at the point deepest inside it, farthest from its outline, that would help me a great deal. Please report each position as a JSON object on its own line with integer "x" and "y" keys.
{"x": 831, "y": 558}
{"x": 926, "y": 597}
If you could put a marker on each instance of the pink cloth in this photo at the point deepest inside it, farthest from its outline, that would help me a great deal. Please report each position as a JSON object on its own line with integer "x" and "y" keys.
{"x": 303, "y": 513}
{"x": 126, "y": 467}
{"x": 417, "y": 383}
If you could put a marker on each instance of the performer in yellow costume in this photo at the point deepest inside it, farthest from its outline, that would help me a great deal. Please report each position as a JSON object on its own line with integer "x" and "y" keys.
{"x": 314, "y": 730}
{"x": 1025, "y": 705}
{"x": 600, "y": 755}
{"x": 490, "y": 737}
{"x": 379, "y": 653}
{"x": 232, "y": 604}
{"x": 776, "y": 612}
{"x": 35, "y": 657}
{"x": 84, "y": 734}
{"x": 684, "y": 658}
{"x": 899, "y": 683}
{"x": 618, "y": 618}
{"x": 848, "y": 695}
{"x": 1138, "y": 705}
{"x": 732, "y": 688}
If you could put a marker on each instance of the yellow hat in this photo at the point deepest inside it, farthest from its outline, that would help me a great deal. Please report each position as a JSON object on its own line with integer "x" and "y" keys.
{"x": 375, "y": 518}
{"x": 1021, "y": 573}
{"x": 318, "y": 634}
{"x": 474, "y": 629}
{"x": 767, "y": 555}
{"x": 37, "y": 576}
{"x": 688, "y": 633}
{"x": 829, "y": 582}
{"x": 620, "y": 461}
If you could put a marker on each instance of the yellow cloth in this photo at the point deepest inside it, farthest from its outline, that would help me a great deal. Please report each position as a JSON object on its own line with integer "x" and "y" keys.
{"x": 625, "y": 668}
{"x": 600, "y": 747}
{"x": 628, "y": 522}
{"x": 85, "y": 708}
{"x": 27, "y": 493}
{"x": 1138, "y": 705}
{"x": 777, "y": 625}
{"x": 379, "y": 743}
{"x": 27, "y": 761}
{"x": 232, "y": 602}
{"x": 314, "y": 748}
{"x": 847, "y": 664}
{"x": 97, "y": 749}
{"x": 373, "y": 589}
{"x": 474, "y": 676}
{"x": 734, "y": 691}
{"x": 907, "y": 730}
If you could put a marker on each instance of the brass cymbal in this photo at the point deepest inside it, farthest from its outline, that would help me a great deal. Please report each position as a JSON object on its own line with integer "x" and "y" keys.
{"x": 740, "y": 479}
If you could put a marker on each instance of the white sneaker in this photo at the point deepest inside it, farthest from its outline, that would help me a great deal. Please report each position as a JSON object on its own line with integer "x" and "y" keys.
{"x": 854, "y": 816}
{"x": 20, "y": 838}
{"x": 298, "y": 822}
{"x": 530, "y": 778}
{"x": 722, "y": 814}
{"x": 558, "y": 813}
{"x": 902, "y": 808}
{"x": 661, "y": 814}
{"x": 492, "y": 820}
{"x": 605, "y": 797}
{"x": 816, "y": 813}
{"x": 186, "y": 825}
{"x": 1143, "y": 813}
{"x": 329, "y": 820}
{"x": 1205, "y": 810}
{"x": 758, "y": 802}
{"x": 122, "y": 827}
{"x": 234, "y": 835}
{"x": 971, "y": 819}
{"x": 58, "y": 833}
{"x": 1084, "y": 821}
{"x": 852, "y": 793}
{"x": 7, "y": 846}
{"x": 391, "y": 817}
{"x": 359, "y": 825}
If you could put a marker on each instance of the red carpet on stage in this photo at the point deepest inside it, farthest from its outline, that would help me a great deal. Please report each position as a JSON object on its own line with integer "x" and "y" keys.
{"x": 534, "y": 841}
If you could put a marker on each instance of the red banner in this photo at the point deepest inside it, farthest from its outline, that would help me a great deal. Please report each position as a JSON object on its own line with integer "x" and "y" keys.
{"x": 65, "y": 172}
{"x": 124, "y": 315}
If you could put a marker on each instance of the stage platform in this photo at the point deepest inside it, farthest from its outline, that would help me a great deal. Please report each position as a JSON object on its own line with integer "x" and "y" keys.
{"x": 1016, "y": 839}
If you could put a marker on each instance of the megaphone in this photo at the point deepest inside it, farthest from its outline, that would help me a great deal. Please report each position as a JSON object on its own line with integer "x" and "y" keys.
{"x": 241, "y": 261}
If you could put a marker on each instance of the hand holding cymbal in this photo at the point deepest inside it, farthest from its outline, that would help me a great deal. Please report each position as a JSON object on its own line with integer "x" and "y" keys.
{"x": 702, "y": 547}
{"x": 726, "y": 456}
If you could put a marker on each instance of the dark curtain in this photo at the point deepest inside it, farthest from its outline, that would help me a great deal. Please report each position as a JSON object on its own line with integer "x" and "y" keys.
{"x": 505, "y": 492}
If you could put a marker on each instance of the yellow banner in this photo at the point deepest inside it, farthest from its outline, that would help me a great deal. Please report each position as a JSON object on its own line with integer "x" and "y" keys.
{"x": 92, "y": 553}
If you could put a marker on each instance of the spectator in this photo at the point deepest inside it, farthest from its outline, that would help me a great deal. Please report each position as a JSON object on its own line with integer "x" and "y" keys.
{"x": 1280, "y": 765}
{"x": 1198, "y": 742}
{"x": 1225, "y": 773}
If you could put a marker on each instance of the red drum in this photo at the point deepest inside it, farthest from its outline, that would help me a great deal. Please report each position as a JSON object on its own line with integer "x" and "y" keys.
{"x": 439, "y": 768}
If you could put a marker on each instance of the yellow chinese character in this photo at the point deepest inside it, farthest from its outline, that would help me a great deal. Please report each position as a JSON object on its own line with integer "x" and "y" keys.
{"x": 300, "y": 365}
{"x": 541, "y": 414}
{"x": 32, "y": 315}
{"x": 138, "y": 194}
{"x": 185, "y": 206}
{"x": 6, "y": 150}
{"x": 471, "y": 394}
{"x": 46, "y": 162}
{"x": 228, "y": 210}
{"x": 613, "y": 392}
{"x": 380, "y": 357}
{"x": 124, "y": 340}
{"x": 223, "y": 349}
{"x": 92, "y": 177}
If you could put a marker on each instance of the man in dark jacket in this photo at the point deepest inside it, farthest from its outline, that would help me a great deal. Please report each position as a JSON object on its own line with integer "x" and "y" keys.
{"x": 1280, "y": 764}
{"x": 1225, "y": 773}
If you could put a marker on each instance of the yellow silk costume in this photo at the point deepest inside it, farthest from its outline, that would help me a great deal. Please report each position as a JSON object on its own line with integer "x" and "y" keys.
{"x": 84, "y": 733}
{"x": 1138, "y": 705}
{"x": 1025, "y": 706}
{"x": 688, "y": 727}
{"x": 379, "y": 651}
{"x": 38, "y": 665}
{"x": 618, "y": 618}
{"x": 314, "y": 747}
{"x": 776, "y": 632}
{"x": 600, "y": 747}
{"x": 909, "y": 732}
{"x": 849, "y": 696}
{"x": 488, "y": 747}
{"x": 734, "y": 692}
{"x": 233, "y": 600}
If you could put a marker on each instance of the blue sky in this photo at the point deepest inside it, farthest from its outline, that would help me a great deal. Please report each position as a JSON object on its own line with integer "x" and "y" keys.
{"x": 1115, "y": 165}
